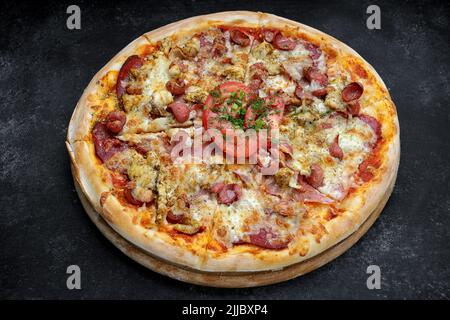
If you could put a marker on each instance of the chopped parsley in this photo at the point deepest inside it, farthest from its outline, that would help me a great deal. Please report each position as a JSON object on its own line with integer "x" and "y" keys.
{"x": 234, "y": 109}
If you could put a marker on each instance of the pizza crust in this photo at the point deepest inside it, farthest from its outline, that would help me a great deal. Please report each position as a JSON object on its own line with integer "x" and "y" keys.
{"x": 95, "y": 185}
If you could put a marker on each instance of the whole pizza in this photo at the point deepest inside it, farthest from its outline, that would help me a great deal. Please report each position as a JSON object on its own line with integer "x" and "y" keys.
{"x": 236, "y": 141}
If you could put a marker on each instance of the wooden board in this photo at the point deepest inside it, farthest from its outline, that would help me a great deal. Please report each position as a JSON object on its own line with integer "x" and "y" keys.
{"x": 230, "y": 279}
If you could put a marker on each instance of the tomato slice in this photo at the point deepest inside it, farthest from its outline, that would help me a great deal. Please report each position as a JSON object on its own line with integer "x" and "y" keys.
{"x": 227, "y": 88}
{"x": 211, "y": 118}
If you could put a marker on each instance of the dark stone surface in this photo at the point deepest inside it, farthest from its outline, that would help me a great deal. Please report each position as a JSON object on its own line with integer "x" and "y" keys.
{"x": 45, "y": 67}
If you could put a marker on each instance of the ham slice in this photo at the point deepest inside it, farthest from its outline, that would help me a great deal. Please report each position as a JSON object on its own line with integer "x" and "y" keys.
{"x": 306, "y": 193}
{"x": 268, "y": 239}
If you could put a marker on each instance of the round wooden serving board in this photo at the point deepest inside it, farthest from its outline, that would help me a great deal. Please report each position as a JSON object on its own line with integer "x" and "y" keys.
{"x": 231, "y": 279}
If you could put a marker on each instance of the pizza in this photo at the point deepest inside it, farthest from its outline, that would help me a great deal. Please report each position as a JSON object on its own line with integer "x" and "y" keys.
{"x": 324, "y": 143}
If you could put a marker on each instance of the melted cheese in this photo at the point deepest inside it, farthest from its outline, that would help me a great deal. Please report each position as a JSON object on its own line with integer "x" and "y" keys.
{"x": 157, "y": 76}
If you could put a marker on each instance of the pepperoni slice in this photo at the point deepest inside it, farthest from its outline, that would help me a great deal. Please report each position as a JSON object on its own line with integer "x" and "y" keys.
{"x": 239, "y": 38}
{"x": 269, "y": 35}
{"x": 215, "y": 188}
{"x": 283, "y": 43}
{"x": 105, "y": 145}
{"x": 129, "y": 196}
{"x": 352, "y": 91}
{"x": 227, "y": 193}
{"x": 319, "y": 92}
{"x": 301, "y": 94}
{"x": 115, "y": 121}
{"x": 314, "y": 51}
{"x": 132, "y": 62}
{"x": 174, "y": 218}
{"x": 372, "y": 122}
{"x": 176, "y": 87}
{"x": 335, "y": 150}
{"x": 180, "y": 111}
{"x": 313, "y": 74}
{"x": 315, "y": 179}
{"x": 266, "y": 238}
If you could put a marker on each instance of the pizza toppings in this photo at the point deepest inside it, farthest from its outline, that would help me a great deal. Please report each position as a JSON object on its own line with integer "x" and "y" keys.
{"x": 133, "y": 62}
{"x": 307, "y": 193}
{"x": 352, "y": 91}
{"x": 180, "y": 111}
{"x": 105, "y": 144}
{"x": 353, "y": 107}
{"x": 130, "y": 198}
{"x": 283, "y": 43}
{"x": 315, "y": 179}
{"x": 176, "y": 86}
{"x": 314, "y": 51}
{"x": 313, "y": 74}
{"x": 227, "y": 193}
{"x": 372, "y": 122}
{"x": 115, "y": 121}
{"x": 266, "y": 238}
{"x": 367, "y": 168}
{"x": 239, "y": 37}
{"x": 335, "y": 150}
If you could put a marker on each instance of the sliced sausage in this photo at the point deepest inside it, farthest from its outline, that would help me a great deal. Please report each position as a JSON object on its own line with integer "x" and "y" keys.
{"x": 175, "y": 218}
{"x": 105, "y": 145}
{"x": 352, "y": 91}
{"x": 314, "y": 51}
{"x": 283, "y": 43}
{"x": 239, "y": 38}
{"x": 313, "y": 74}
{"x": 229, "y": 194}
{"x": 269, "y": 35}
{"x": 180, "y": 111}
{"x": 132, "y": 62}
{"x": 319, "y": 92}
{"x": 115, "y": 121}
{"x": 176, "y": 87}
